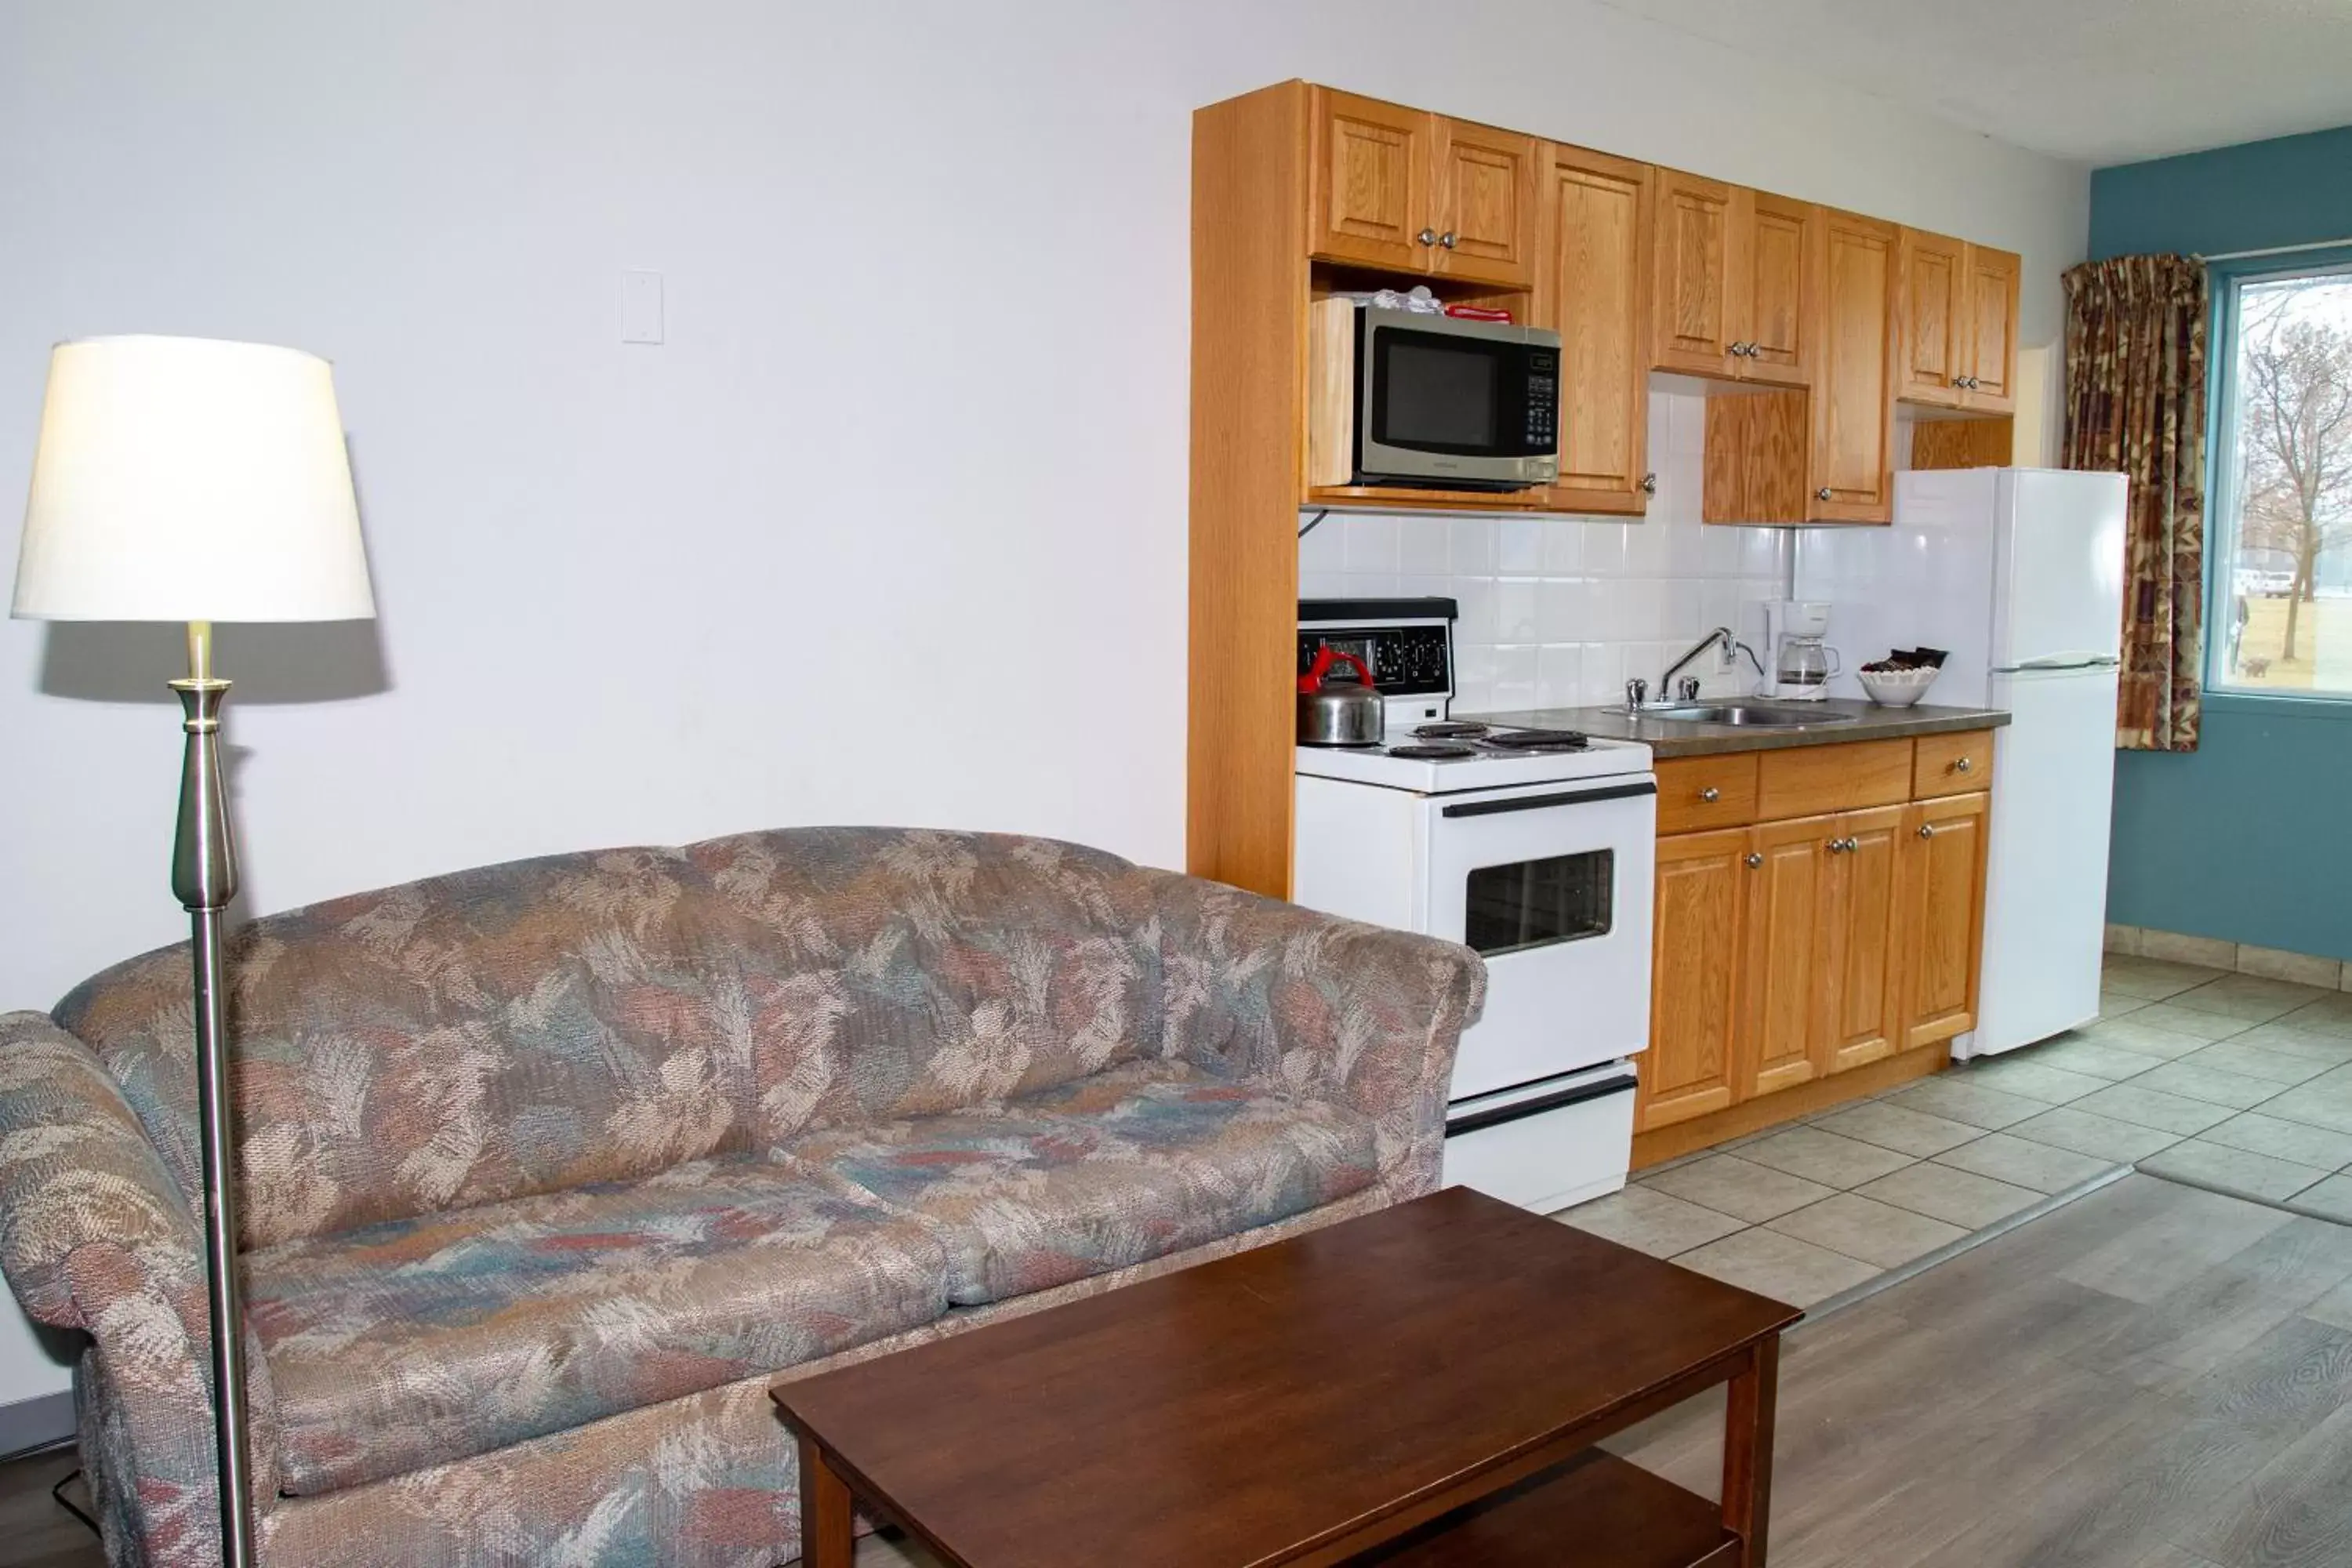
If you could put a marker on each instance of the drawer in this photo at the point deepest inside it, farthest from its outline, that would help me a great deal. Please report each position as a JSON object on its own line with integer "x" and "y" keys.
{"x": 1952, "y": 764}
{"x": 1806, "y": 781}
{"x": 1695, "y": 794}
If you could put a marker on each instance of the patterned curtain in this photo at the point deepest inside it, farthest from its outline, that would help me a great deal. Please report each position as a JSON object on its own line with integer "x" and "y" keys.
{"x": 2135, "y": 402}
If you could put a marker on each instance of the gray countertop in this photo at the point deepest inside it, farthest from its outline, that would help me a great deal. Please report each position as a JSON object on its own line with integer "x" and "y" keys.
{"x": 1673, "y": 738}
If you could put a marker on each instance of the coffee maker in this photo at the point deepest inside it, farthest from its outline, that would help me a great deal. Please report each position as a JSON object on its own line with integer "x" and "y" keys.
{"x": 1799, "y": 664}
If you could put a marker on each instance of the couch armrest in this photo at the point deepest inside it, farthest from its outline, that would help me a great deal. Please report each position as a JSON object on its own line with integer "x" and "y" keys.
{"x": 95, "y": 1236}
{"x": 1361, "y": 1015}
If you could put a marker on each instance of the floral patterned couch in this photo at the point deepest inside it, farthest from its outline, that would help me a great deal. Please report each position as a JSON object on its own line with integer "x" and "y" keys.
{"x": 550, "y": 1168}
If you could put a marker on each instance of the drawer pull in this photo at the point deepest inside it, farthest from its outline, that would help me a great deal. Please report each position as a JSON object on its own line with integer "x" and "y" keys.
{"x": 1710, "y": 794}
{"x": 1963, "y": 765}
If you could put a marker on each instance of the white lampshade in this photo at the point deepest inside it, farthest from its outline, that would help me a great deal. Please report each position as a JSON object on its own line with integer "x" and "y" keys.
{"x": 189, "y": 479}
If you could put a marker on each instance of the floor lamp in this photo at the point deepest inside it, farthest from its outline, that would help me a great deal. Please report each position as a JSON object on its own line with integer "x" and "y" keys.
{"x": 190, "y": 481}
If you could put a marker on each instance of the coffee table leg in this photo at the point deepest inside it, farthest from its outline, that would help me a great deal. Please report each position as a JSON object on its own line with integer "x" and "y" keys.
{"x": 827, "y": 1538}
{"x": 1747, "y": 1450}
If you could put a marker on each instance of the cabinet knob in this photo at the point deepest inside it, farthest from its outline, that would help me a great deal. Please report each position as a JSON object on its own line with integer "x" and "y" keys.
{"x": 1448, "y": 239}
{"x": 1964, "y": 765}
{"x": 1426, "y": 236}
{"x": 1823, "y": 493}
{"x": 1743, "y": 349}
{"x": 1926, "y": 830}
{"x": 1710, "y": 794}
{"x": 1649, "y": 484}
{"x": 1754, "y": 859}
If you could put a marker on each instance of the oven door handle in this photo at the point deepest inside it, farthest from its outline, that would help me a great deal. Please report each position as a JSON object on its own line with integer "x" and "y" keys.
{"x": 1543, "y": 801}
{"x": 1495, "y": 1115}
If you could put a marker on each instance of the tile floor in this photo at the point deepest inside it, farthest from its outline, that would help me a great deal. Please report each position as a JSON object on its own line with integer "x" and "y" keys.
{"x": 2229, "y": 1081}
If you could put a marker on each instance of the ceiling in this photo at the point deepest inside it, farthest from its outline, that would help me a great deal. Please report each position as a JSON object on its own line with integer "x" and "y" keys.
{"x": 2097, "y": 81}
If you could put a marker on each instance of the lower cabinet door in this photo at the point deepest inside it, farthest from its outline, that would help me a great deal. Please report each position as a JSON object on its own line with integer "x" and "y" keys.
{"x": 1687, "y": 1070}
{"x": 1862, "y": 974}
{"x": 1783, "y": 951}
{"x": 1940, "y": 915}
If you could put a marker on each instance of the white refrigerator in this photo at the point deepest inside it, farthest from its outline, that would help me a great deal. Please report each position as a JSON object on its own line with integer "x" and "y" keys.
{"x": 2018, "y": 573}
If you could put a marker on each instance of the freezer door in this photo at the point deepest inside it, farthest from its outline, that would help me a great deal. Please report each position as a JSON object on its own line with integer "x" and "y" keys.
{"x": 2046, "y": 883}
{"x": 2060, "y": 564}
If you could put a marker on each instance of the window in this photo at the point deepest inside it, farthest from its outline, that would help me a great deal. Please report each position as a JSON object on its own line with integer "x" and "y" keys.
{"x": 2279, "y": 611}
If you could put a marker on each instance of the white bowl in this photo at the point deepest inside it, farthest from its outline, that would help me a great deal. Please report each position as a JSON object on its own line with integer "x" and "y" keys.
{"x": 1898, "y": 687}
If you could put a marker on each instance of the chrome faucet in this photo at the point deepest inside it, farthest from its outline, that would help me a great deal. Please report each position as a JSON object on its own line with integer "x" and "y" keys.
{"x": 1721, "y": 635}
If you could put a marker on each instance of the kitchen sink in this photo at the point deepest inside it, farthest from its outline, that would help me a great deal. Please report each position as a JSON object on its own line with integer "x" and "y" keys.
{"x": 1748, "y": 715}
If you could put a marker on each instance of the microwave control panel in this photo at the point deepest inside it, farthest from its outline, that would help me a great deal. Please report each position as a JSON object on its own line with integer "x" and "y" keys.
{"x": 1405, "y": 661}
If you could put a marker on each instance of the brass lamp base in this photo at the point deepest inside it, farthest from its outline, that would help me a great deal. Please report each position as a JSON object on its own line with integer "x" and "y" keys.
{"x": 203, "y": 878}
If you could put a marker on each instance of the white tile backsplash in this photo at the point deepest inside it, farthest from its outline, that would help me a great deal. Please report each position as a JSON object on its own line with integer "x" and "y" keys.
{"x": 1557, "y": 612}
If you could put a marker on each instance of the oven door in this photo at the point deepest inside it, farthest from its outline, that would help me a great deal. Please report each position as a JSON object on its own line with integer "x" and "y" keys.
{"x": 1551, "y": 884}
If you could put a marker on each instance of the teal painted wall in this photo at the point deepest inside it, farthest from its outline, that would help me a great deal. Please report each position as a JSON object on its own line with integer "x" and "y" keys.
{"x": 2249, "y": 837}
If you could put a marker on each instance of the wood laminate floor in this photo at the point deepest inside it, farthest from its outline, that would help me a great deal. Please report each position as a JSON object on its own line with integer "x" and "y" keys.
{"x": 2154, "y": 1376}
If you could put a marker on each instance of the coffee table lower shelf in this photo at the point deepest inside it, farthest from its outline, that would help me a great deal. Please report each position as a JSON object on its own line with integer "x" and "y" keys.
{"x": 1596, "y": 1512}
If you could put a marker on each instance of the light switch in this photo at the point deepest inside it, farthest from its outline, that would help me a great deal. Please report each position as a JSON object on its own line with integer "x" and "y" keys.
{"x": 641, "y": 307}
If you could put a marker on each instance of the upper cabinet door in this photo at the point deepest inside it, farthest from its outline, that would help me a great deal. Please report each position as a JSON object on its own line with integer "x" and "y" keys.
{"x": 1852, "y": 408}
{"x": 1369, "y": 181}
{"x": 1992, "y": 382}
{"x": 1772, "y": 262}
{"x": 1487, "y": 194}
{"x": 1593, "y": 288}
{"x": 1934, "y": 320}
{"x": 1690, "y": 260}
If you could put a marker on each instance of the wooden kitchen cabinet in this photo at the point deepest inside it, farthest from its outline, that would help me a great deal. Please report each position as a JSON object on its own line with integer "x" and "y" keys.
{"x": 1940, "y": 915}
{"x": 1773, "y": 264}
{"x": 1488, "y": 193}
{"x": 1592, "y": 288}
{"x": 1809, "y": 945}
{"x": 1932, "y": 318}
{"x": 1732, "y": 271}
{"x": 1691, "y": 258}
{"x": 1991, "y": 385}
{"x": 1956, "y": 324}
{"x": 1861, "y": 975}
{"x": 1702, "y": 884}
{"x": 1408, "y": 191}
{"x": 1370, "y": 169}
{"x": 1851, "y": 456}
{"x": 1825, "y": 453}
{"x": 1781, "y": 940}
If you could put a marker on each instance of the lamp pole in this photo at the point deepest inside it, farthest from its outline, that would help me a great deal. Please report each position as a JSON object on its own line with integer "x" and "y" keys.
{"x": 203, "y": 878}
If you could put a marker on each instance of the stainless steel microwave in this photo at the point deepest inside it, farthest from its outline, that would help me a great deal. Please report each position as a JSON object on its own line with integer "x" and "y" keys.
{"x": 1452, "y": 404}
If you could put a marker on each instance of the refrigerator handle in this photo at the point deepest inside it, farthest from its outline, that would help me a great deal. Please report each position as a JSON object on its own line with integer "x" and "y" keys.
{"x": 2033, "y": 666}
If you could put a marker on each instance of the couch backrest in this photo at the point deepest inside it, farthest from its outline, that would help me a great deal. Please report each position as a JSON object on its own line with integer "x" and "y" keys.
{"x": 530, "y": 1027}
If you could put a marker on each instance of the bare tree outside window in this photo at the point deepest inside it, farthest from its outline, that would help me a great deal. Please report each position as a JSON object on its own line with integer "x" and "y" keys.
{"x": 2286, "y": 601}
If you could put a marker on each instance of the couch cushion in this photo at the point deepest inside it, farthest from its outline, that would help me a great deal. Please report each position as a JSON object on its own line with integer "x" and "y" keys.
{"x": 415, "y": 1341}
{"x": 1110, "y": 1170}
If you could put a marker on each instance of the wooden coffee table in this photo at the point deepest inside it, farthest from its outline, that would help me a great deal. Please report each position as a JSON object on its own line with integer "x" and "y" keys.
{"x": 1419, "y": 1387}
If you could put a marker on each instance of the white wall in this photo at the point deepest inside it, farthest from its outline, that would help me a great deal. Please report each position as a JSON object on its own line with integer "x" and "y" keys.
{"x": 911, "y": 466}
{"x": 1560, "y": 612}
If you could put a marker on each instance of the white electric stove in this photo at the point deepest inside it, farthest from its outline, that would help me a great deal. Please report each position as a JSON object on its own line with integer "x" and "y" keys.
{"x": 1536, "y": 849}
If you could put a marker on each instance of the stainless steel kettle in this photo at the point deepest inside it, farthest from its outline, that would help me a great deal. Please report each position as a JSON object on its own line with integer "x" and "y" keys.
{"x": 1339, "y": 712}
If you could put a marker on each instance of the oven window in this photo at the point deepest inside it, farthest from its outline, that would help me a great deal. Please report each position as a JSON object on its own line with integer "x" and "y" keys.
{"x": 1535, "y": 903}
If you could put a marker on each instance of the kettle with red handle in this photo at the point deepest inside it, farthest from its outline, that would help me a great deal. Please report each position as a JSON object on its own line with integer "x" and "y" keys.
{"x": 1340, "y": 711}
